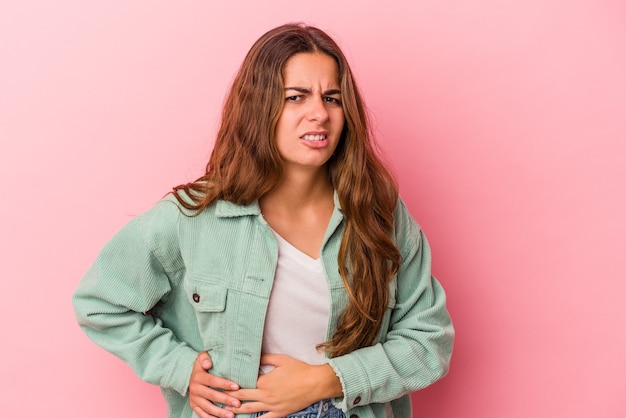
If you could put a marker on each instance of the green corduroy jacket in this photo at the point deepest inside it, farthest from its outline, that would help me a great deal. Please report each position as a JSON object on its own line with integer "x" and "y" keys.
{"x": 169, "y": 285}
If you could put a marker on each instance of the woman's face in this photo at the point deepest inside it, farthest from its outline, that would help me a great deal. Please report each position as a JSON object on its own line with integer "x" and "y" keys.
{"x": 311, "y": 122}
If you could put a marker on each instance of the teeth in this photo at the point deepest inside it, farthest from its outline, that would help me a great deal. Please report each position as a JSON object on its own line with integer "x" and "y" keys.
{"x": 314, "y": 137}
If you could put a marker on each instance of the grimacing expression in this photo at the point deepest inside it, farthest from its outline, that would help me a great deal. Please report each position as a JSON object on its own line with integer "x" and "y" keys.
{"x": 310, "y": 124}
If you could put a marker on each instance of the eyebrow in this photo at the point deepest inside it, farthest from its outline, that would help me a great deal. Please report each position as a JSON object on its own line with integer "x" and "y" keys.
{"x": 308, "y": 91}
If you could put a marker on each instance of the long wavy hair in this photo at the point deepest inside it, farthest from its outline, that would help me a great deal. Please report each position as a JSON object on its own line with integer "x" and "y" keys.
{"x": 245, "y": 164}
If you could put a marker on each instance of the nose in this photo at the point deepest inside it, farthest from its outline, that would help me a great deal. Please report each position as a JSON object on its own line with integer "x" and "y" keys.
{"x": 317, "y": 110}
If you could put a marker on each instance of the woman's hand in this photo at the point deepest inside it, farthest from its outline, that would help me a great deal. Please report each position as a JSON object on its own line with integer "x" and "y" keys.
{"x": 291, "y": 386}
{"x": 203, "y": 393}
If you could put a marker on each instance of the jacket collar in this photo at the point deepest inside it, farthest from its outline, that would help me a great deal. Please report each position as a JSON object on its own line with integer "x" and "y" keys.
{"x": 226, "y": 209}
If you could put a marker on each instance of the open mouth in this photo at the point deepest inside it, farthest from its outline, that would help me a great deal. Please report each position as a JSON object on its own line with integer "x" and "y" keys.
{"x": 314, "y": 137}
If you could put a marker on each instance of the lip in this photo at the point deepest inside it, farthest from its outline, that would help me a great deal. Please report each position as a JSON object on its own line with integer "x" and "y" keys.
{"x": 314, "y": 133}
{"x": 317, "y": 143}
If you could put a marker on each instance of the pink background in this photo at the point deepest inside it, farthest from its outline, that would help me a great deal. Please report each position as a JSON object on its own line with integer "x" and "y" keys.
{"x": 504, "y": 121}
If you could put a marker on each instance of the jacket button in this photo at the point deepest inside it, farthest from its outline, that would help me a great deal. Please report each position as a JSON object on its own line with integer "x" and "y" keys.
{"x": 356, "y": 400}
{"x": 196, "y": 297}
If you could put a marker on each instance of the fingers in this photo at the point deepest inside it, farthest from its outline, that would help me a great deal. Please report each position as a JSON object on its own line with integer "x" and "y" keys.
{"x": 205, "y": 390}
{"x": 208, "y": 410}
{"x": 201, "y": 376}
{"x": 199, "y": 393}
{"x": 250, "y": 408}
{"x": 273, "y": 359}
{"x": 208, "y": 379}
{"x": 244, "y": 394}
{"x": 204, "y": 360}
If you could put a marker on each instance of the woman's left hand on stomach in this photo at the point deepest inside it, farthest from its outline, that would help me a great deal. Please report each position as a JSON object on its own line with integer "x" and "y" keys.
{"x": 290, "y": 386}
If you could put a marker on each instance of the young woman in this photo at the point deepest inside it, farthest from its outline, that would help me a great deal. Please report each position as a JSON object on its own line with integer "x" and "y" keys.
{"x": 289, "y": 280}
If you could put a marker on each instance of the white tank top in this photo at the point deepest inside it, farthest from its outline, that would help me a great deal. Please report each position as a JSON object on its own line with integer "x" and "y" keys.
{"x": 297, "y": 315}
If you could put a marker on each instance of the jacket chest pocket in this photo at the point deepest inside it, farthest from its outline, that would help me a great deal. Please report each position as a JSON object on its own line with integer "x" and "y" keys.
{"x": 208, "y": 300}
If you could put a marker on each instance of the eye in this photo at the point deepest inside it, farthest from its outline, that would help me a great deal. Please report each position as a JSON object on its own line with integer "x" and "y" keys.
{"x": 330, "y": 99}
{"x": 293, "y": 98}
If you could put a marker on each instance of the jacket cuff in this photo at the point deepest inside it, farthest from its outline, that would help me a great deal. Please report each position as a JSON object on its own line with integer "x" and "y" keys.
{"x": 354, "y": 382}
{"x": 179, "y": 371}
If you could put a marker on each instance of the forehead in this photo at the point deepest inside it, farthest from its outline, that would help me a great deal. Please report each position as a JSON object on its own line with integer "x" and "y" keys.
{"x": 311, "y": 68}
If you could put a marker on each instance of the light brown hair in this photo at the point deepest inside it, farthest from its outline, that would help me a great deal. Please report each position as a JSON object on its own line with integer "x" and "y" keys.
{"x": 245, "y": 164}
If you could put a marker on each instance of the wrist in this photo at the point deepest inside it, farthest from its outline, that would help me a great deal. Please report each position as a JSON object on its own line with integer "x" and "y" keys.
{"x": 329, "y": 385}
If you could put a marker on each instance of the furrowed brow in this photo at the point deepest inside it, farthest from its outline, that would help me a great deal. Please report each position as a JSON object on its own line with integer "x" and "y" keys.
{"x": 303, "y": 90}
{"x": 299, "y": 89}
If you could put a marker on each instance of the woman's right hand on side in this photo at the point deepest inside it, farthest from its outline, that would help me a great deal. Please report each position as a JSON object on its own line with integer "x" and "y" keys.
{"x": 203, "y": 390}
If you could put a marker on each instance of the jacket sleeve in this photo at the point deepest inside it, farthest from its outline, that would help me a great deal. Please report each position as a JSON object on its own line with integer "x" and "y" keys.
{"x": 417, "y": 348}
{"x": 135, "y": 271}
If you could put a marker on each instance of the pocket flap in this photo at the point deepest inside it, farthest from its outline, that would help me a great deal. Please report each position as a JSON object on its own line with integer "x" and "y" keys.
{"x": 205, "y": 296}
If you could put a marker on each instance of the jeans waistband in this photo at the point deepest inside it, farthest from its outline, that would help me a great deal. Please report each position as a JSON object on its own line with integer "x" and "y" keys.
{"x": 321, "y": 409}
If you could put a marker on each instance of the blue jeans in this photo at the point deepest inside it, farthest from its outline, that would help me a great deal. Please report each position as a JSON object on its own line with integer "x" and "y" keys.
{"x": 322, "y": 409}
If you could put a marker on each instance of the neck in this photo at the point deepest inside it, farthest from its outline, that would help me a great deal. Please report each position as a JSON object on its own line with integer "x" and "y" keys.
{"x": 300, "y": 189}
